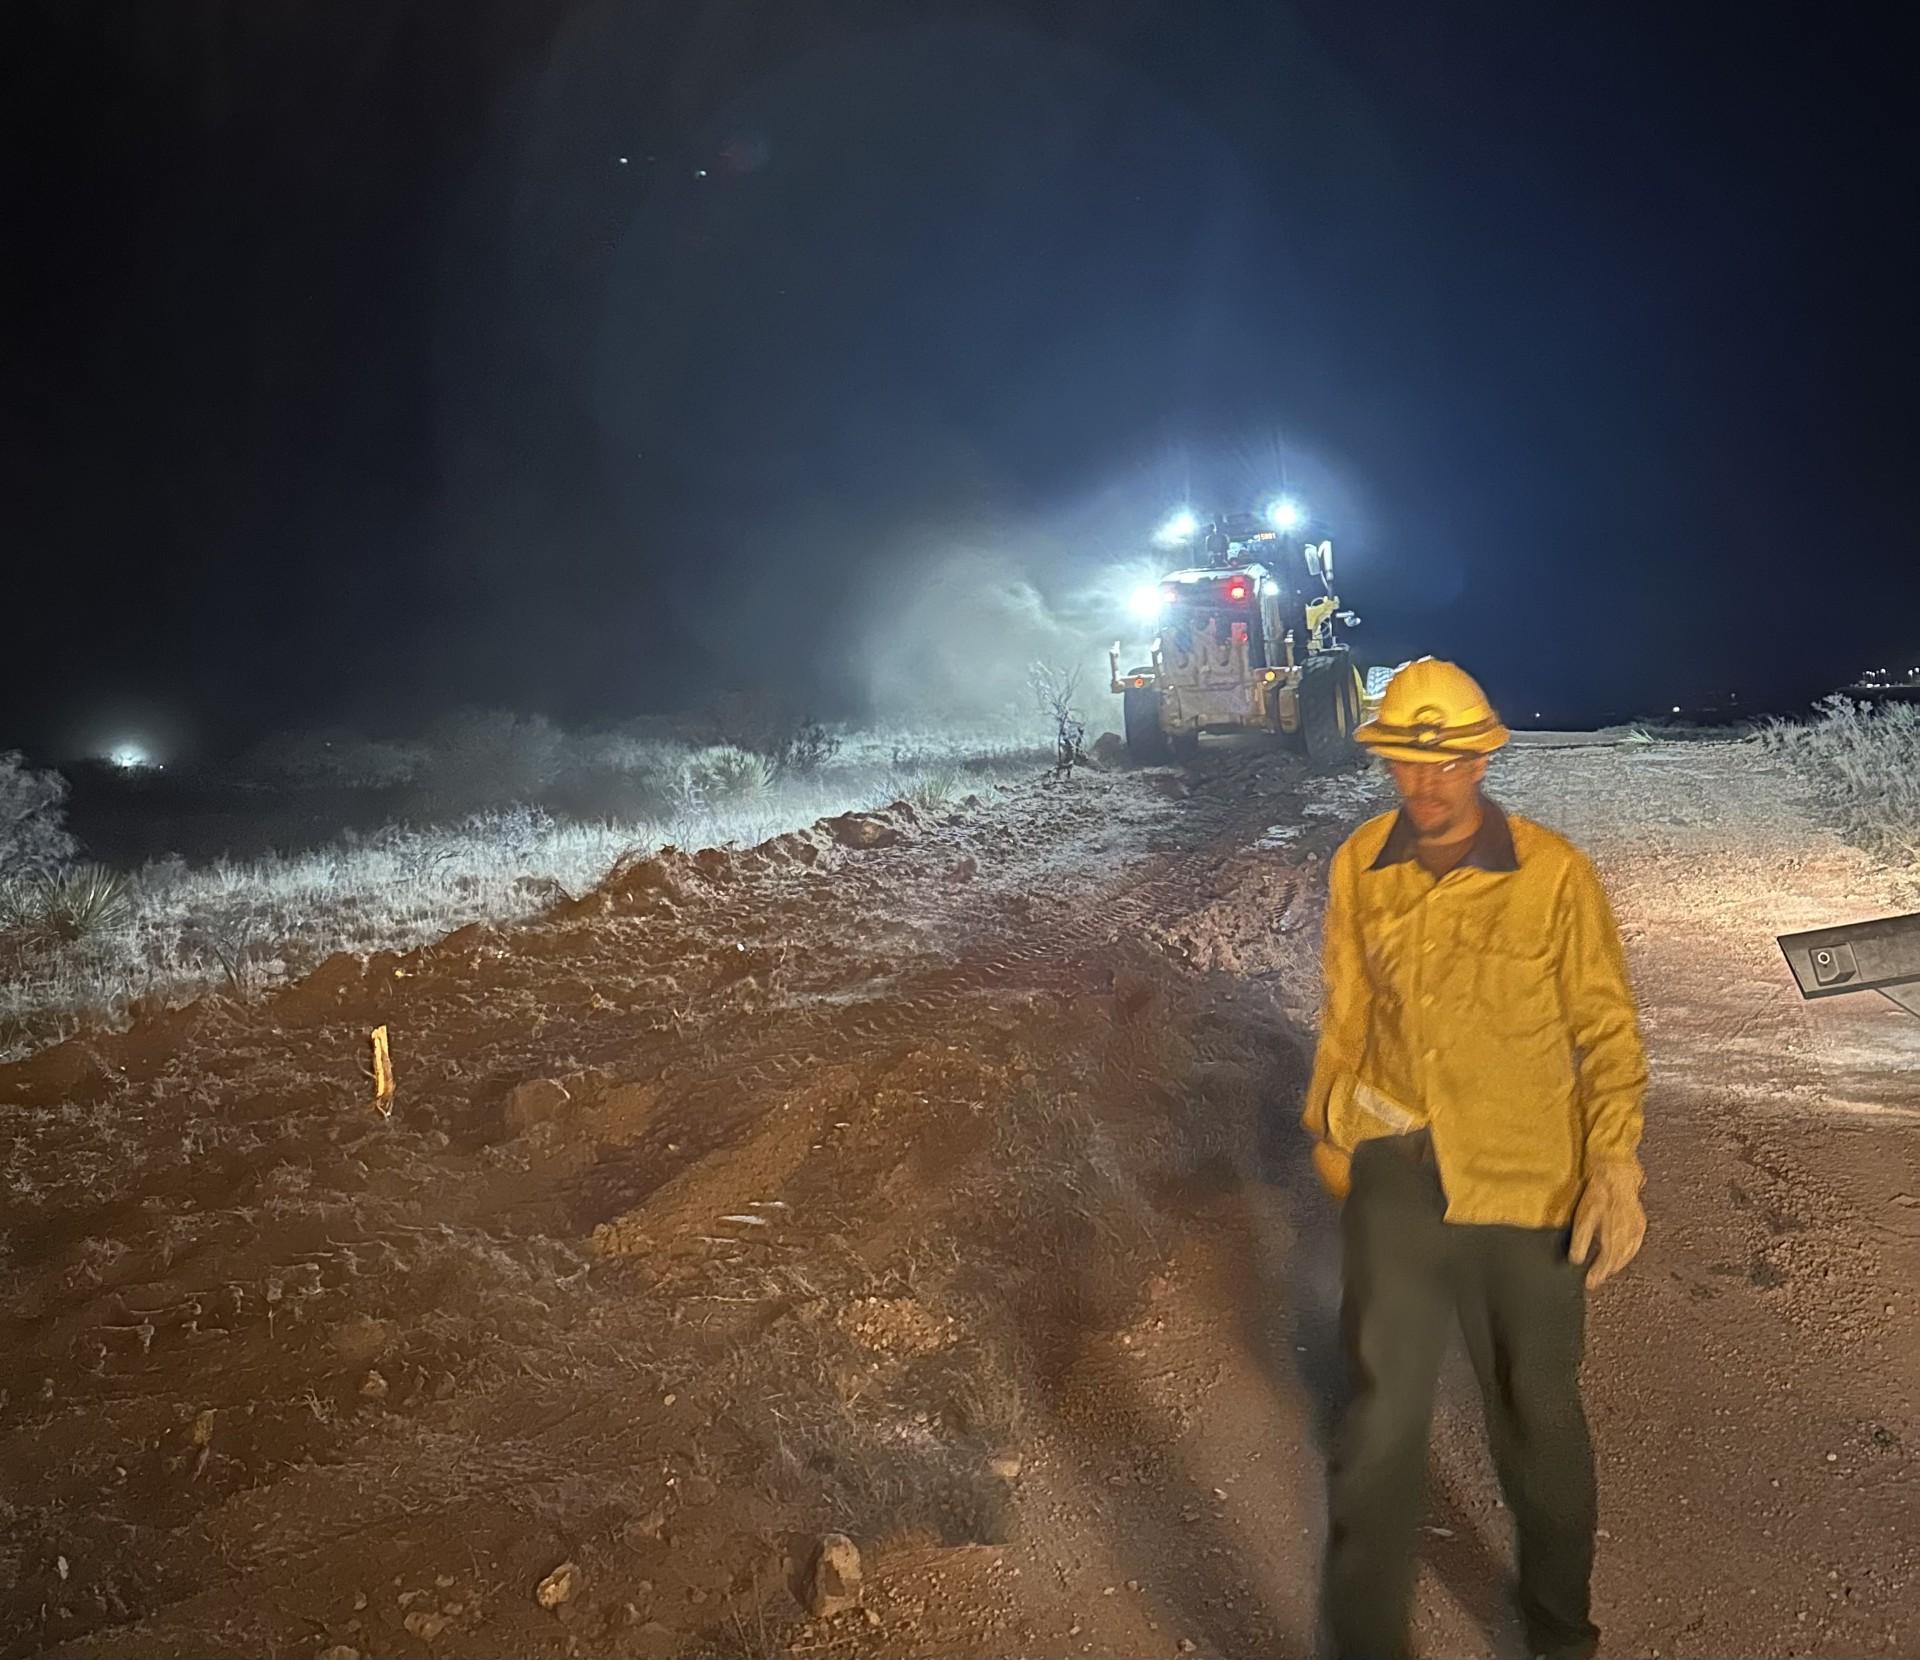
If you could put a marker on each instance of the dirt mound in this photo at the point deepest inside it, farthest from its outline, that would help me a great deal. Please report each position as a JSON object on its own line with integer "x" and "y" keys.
{"x": 884, "y": 827}
{"x": 666, "y": 882}
{"x": 667, "y": 879}
{"x": 344, "y": 987}
{"x": 797, "y": 847}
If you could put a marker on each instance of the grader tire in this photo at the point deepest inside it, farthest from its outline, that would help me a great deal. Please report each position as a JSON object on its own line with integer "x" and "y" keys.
{"x": 1140, "y": 714}
{"x": 1329, "y": 712}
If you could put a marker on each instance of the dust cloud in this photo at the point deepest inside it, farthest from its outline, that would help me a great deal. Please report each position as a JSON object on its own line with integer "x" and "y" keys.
{"x": 955, "y": 633}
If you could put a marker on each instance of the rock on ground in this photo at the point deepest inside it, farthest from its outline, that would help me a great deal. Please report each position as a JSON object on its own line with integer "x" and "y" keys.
{"x": 535, "y": 1102}
{"x": 560, "y": 1586}
{"x": 830, "y": 1581}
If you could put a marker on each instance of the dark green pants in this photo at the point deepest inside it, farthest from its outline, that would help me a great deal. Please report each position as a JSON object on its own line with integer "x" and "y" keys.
{"x": 1521, "y": 1307}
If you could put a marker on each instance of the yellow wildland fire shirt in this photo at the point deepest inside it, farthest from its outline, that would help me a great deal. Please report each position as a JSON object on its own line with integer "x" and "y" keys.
{"x": 1489, "y": 1007}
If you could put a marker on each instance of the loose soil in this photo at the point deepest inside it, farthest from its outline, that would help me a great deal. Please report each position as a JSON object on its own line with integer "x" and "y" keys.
{"x": 935, "y": 1180}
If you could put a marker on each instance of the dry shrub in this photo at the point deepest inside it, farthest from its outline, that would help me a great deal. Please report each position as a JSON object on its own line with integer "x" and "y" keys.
{"x": 33, "y": 831}
{"x": 807, "y": 749}
{"x": 1865, "y": 765}
{"x": 794, "y": 745}
{"x": 1054, "y": 689}
{"x": 885, "y": 1451}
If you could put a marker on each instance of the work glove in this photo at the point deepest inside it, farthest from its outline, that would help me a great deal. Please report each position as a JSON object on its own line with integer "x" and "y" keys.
{"x": 1335, "y": 1168}
{"x": 1610, "y": 1214}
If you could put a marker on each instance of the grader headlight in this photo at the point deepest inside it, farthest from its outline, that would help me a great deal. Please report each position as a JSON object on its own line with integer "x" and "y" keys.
{"x": 1147, "y": 602}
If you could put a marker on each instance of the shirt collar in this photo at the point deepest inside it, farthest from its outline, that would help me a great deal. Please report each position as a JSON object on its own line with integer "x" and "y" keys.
{"x": 1491, "y": 848}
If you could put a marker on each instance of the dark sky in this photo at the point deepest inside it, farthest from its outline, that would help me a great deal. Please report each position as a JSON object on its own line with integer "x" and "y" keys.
{"x": 352, "y": 374}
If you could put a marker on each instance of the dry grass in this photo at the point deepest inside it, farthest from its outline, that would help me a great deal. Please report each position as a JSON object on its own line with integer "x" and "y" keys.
{"x": 1066, "y": 1200}
{"x": 931, "y": 790}
{"x": 882, "y": 1448}
{"x": 1864, "y": 764}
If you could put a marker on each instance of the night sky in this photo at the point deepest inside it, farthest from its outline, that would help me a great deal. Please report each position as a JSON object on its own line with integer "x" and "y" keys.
{"x": 365, "y": 360}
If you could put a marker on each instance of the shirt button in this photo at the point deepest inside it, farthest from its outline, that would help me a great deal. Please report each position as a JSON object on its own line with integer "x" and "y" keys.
{"x": 1433, "y": 1054}
{"x": 1427, "y": 946}
{"x": 1426, "y": 1002}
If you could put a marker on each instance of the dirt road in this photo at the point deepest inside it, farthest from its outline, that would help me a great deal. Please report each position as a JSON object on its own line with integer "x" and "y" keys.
{"x": 943, "y": 1190}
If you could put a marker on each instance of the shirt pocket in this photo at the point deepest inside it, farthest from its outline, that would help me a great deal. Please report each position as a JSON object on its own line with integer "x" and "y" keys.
{"x": 1514, "y": 981}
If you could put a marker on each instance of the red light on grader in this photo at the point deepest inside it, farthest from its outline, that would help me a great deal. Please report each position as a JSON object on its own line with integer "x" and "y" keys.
{"x": 1237, "y": 590}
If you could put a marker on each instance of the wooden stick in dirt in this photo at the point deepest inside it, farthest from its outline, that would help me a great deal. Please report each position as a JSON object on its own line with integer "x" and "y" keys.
{"x": 382, "y": 1073}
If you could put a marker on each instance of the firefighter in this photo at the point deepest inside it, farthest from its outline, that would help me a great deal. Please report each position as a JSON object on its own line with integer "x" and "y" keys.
{"x": 1476, "y": 1107}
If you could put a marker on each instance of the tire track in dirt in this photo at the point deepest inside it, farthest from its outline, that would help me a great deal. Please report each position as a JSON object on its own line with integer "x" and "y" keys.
{"x": 1004, "y": 953}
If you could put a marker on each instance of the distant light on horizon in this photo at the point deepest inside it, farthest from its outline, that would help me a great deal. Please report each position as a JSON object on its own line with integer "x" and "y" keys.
{"x": 130, "y": 757}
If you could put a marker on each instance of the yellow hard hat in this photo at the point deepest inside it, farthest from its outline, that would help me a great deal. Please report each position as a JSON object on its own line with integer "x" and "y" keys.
{"x": 1432, "y": 711}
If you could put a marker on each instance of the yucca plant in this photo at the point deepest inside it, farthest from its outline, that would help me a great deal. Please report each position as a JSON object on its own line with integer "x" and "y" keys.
{"x": 231, "y": 946}
{"x": 81, "y": 902}
{"x": 731, "y": 777}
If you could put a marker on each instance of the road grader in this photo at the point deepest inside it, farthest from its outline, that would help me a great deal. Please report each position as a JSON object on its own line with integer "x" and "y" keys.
{"x": 1248, "y": 640}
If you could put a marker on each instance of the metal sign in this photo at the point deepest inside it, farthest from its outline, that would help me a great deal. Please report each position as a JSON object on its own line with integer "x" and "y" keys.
{"x": 1882, "y": 955}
